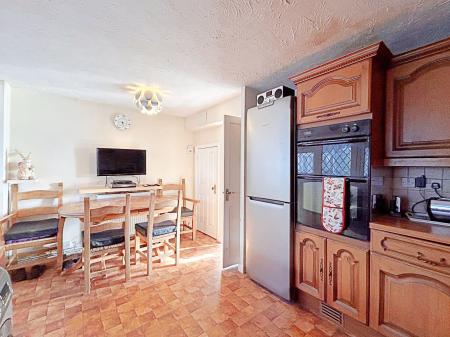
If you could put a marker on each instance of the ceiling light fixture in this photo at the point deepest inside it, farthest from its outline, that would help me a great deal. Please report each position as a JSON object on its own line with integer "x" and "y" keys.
{"x": 148, "y": 101}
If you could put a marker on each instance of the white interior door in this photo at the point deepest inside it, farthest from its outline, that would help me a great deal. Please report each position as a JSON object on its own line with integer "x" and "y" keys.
{"x": 206, "y": 188}
{"x": 231, "y": 214}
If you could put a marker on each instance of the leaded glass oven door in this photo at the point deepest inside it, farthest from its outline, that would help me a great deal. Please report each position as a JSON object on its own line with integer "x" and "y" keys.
{"x": 336, "y": 158}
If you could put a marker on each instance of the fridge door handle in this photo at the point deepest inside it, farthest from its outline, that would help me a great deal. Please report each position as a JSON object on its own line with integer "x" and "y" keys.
{"x": 267, "y": 201}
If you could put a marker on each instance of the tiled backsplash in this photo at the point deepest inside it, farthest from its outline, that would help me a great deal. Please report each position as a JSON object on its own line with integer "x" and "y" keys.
{"x": 399, "y": 181}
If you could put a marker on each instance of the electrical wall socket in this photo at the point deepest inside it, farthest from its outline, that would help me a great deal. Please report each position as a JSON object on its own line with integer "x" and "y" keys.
{"x": 408, "y": 182}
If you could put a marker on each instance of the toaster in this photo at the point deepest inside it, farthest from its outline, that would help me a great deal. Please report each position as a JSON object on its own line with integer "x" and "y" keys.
{"x": 439, "y": 209}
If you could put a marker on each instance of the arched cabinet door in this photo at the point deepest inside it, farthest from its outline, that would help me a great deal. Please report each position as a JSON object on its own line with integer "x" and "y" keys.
{"x": 418, "y": 106}
{"x": 347, "y": 279}
{"x": 407, "y": 300}
{"x": 310, "y": 264}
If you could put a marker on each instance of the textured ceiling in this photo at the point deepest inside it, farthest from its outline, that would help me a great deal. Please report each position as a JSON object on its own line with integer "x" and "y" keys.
{"x": 200, "y": 52}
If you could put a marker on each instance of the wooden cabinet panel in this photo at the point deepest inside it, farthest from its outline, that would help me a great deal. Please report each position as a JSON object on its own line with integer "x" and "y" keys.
{"x": 419, "y": 252}
{"x": 310, "y": 264}
{"x": 341, "y": 93}
{"x": 418, "y": 104}
{"x": 407, "y": 300}
{"x": 347, "y": 284}
{"x": 347, "y": 88}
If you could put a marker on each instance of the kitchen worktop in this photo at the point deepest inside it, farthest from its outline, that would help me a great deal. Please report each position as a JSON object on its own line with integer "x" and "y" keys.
{"x": 403, "y": 226}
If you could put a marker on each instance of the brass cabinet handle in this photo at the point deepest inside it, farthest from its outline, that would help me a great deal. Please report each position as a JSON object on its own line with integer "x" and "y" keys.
{"x": 330, "y": 274}
{"x": 328, "y": 114}
{"x": 442, "y": 262}
{"x": 321, "y": 269}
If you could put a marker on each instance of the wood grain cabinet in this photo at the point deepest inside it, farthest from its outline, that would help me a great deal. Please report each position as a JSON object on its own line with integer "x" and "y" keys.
{"x": 348, "y": 277}
{"x": 333, "y": 272}
{"x": 310, "y": 264}
{"x": 349, "y": 87}
{"x": 409, "y": 279}
{"x": 418, "y": 107}
{"x": 407, "y": 300}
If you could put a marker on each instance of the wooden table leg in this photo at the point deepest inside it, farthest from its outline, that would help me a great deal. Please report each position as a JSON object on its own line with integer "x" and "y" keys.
{"x": 59, "y": 239}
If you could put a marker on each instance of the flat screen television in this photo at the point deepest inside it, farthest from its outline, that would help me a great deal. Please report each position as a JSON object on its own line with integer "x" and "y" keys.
{"x": 121, "y": 162}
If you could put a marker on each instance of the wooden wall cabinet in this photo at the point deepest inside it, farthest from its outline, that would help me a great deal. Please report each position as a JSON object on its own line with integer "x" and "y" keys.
{"x": 333, "y": 272}
{"x": 348, "y": 88}
{"x": 418, "y": 107}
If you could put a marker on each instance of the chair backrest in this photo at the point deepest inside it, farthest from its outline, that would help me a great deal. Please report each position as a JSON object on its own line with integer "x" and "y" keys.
{"x": 106, "y": 217}
{"x": 171, "y": 187}
{"x": 166, "y": 209}
{"x": 20, "y": 213}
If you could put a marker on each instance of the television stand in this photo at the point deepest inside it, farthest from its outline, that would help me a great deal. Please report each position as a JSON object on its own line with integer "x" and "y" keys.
{"x": 123, "y": 184}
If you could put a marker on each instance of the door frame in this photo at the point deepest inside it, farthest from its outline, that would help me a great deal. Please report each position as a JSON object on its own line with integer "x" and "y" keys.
{"x": 219, "y": 185}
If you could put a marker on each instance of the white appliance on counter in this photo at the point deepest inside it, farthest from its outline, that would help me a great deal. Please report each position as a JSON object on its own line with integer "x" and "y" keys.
{"x": 269, "y": 220}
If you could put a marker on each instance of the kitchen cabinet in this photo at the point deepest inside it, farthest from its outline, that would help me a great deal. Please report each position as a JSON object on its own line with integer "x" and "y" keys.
{"x": 418, "y": 107}
{"x": 348, "y": 277}
{"x": 410, "y": 278}
{"x": 348, "y": 88}
{"x": 310, "y": 264}
{"x": 334, "y": 272}
{"x": 408, "y": 300}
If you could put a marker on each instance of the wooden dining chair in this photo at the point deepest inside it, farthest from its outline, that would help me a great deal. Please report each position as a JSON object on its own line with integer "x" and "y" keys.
{"x": 29, "y": 235}
{"x": 188, "y": 214}
{"x": 153, "y": 238}
{"x": 106, "y": 236}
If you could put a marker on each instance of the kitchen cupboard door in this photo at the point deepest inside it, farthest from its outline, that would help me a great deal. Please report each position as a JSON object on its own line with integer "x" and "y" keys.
{"x": 310, "y": 264}
{"x": 418, "y": 107}
{"x": 407, "y": 300}
{"x": 341, "y": 93}
{"x": 348, "y": 279}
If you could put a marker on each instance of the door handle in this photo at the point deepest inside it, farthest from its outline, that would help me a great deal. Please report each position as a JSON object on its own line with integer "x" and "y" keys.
{"x": 227, "y": 194}
{"x": 214, "y": 189}
{"x": 321, "y": 269}
{"x": 330, "y": 274}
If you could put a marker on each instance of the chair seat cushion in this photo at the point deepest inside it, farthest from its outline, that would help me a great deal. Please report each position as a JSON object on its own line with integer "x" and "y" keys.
{"x": 31, "y": 230}
{"x": 162, "y": 228}
{"x": 186, "y": 212}
{"x": 107, "y": 238}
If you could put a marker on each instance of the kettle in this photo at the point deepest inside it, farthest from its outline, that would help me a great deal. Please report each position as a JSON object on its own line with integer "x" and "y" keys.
{"x": 439, "y": 209}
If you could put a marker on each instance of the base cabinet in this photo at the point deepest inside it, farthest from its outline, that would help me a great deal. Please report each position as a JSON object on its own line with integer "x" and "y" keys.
{"x": 310, "y": 264}
{"x": 333, "y": 272}
{"x": 407, "y": 300}
{"x": 348, "y": 276}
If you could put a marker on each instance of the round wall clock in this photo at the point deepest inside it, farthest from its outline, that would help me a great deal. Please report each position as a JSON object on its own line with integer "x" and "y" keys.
{"x": 122, "y": 122}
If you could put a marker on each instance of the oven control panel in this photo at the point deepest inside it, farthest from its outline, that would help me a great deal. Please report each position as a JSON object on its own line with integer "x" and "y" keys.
{"x": 341, "y": 130}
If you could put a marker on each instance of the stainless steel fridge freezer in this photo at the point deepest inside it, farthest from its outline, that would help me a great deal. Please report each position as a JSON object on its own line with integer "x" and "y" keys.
{"x": 269, "y": 220}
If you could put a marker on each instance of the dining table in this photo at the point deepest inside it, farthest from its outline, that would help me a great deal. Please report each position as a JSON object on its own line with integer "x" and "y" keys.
{"x": 139, "y": 205}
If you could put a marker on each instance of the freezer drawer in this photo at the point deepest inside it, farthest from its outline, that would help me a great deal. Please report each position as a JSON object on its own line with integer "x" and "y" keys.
{"x": 269, "y": 245}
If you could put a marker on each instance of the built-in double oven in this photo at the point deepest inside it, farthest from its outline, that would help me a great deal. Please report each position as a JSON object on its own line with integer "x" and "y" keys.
{"x": 339, "y": 150}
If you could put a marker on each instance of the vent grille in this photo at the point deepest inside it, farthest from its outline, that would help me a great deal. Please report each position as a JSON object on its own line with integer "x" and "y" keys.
{"x": 332, "y": 314}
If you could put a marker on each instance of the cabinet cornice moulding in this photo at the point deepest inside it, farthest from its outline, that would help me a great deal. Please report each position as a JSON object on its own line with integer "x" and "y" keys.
{"x": 378, "y": 49}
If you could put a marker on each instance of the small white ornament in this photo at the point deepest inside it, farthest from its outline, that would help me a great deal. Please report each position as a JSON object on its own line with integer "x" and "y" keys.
{"x": 122, "y": 122}
{"x": 25, "y": 168}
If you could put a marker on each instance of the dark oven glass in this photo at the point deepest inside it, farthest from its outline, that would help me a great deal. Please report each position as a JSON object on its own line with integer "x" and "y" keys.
{"x": 339, "y": 159}
{"x": 309, "y": 205}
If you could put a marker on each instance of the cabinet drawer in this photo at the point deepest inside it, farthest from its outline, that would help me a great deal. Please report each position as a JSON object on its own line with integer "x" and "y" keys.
{"x": 422, "y": 253}
{"x": 338, "y": 94}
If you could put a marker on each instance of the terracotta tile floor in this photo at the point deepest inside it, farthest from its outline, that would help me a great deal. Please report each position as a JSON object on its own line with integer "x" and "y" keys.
{"x": 193, "y": 299}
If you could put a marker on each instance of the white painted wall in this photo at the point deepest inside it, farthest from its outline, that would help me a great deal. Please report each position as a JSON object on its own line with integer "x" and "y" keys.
{"x": 5, "y": 93}
{"x": 63, "y": 133}
{"x": 208, "y": 127}
{"x": 213, "y": 116}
